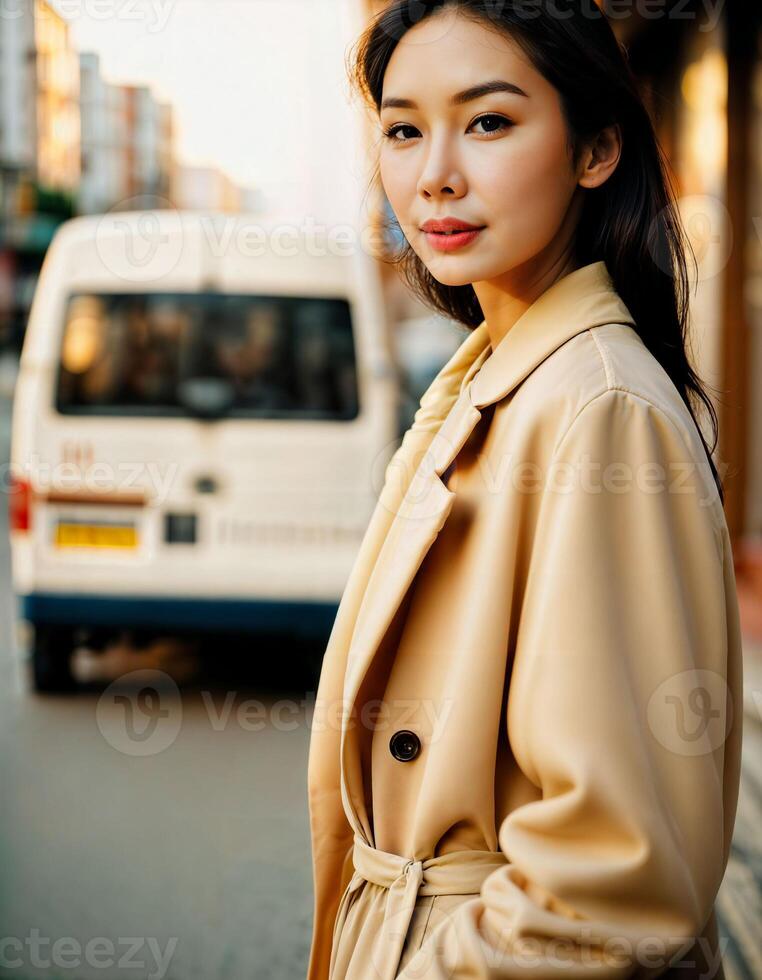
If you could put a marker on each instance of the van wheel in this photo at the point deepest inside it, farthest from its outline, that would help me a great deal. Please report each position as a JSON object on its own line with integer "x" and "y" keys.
{"x": 51, "y": 658}
{"x": 314, "y": 664}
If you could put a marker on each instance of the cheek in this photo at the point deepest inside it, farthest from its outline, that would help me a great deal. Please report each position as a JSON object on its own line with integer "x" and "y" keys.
{"x": 399, "y": 181}
{"x": 527, "y": 186}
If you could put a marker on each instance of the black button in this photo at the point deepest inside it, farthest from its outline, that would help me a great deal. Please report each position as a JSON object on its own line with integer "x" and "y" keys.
{"x": 404, "y": 745}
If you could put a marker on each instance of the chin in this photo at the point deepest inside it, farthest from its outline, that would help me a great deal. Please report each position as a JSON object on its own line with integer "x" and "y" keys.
{"x": 453, "y": 276}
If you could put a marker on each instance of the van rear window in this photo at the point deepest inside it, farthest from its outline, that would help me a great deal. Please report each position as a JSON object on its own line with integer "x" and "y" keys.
{"x": 178, "y": 354}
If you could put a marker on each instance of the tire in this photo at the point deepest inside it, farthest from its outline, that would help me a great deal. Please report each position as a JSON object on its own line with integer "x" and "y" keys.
{"x": 313, "y": 660}
{"x": 52, "y": 659}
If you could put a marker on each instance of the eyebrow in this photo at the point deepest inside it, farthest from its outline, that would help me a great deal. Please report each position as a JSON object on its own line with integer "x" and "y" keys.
{"x": 467, "y": 95}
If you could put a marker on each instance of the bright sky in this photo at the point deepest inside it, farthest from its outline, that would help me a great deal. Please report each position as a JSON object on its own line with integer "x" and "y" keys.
{"x": 259, "y": 87}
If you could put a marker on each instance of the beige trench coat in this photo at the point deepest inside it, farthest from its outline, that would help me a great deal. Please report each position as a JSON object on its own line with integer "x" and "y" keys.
{"x": 544, "y": 601}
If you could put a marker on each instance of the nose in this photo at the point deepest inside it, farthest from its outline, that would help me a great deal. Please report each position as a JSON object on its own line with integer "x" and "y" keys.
{"x": 441, "y": 175}
{"x": 450, "y": 186}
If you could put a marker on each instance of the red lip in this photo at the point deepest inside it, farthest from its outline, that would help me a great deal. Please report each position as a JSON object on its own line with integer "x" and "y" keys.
{"x": 441, "y": 225}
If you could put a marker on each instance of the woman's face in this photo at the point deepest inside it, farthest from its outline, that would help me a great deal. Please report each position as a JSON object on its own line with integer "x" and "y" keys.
{"x": 499, "y": 160}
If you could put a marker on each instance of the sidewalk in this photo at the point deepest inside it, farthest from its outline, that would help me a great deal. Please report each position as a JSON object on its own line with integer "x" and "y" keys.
{"x": 739, "y": 903}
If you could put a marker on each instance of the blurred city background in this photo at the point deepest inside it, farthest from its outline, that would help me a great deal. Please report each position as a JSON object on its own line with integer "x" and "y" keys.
{"x": 206, "y": 561}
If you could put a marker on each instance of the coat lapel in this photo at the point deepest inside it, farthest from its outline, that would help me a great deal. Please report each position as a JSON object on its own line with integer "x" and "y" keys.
{"x": 580, "y": 300}
{"x": 419, "y": 517}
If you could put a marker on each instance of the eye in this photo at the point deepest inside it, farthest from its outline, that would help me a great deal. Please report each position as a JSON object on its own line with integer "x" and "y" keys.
{"x": 491, "y": 118}
{"x": 391, "y": 133}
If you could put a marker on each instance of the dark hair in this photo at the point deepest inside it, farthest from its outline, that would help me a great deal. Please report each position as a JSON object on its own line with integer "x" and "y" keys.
{"x": 631, "y": 221}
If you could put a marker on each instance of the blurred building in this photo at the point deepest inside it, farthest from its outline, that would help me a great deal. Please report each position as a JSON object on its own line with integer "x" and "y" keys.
{"x": 127, "y": 141}
{"x": 18, "y": 140}
{"x": 149, "y": 142}
{"x": 210, "y": 189}
{"x": 18, "y": 129}
{"x": 57, "y": 96}
{"x": 105, "y": 132}
{"x": 39, "y": 102}
{"x": 39, "y": 148}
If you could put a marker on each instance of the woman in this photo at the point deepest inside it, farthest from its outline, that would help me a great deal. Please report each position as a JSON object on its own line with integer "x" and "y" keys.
{"x": 526, "y": 745}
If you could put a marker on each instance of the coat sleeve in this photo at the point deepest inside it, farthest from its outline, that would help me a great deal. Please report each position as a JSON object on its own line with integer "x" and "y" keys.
{"x": 617, "y": 711}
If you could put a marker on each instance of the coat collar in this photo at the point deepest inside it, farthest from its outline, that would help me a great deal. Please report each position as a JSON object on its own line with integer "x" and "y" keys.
{"x": 415, "y": 497}
{"x": 582, "y": 299}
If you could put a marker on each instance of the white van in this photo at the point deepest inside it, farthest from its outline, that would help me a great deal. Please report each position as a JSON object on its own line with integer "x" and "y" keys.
{"x": 204, "y": 410}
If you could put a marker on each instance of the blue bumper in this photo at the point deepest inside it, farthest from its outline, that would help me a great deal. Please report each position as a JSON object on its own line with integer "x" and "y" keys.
{"x": 77, "y": 609}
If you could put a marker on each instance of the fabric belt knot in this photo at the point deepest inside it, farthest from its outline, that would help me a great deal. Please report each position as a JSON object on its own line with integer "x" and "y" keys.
{"x": 454, "y": 873}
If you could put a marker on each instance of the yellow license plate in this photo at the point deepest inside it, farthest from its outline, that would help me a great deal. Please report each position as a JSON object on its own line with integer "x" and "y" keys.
{"x": 95, "y": 536}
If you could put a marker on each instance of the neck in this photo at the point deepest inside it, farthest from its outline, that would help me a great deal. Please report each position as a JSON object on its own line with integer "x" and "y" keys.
{"x": 505, "y": 300}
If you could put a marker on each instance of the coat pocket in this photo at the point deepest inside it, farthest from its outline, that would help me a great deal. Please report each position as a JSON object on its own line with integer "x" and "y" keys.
{"x": 416, "y": 929}
{"x": 442, "y": 907}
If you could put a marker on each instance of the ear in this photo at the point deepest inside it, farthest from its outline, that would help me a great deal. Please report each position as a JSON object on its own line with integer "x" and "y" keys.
{"x": 601, "y": 157}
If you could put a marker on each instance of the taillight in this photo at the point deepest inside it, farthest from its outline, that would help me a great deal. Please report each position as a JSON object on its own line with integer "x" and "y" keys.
{"x": 19, "y": 511}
